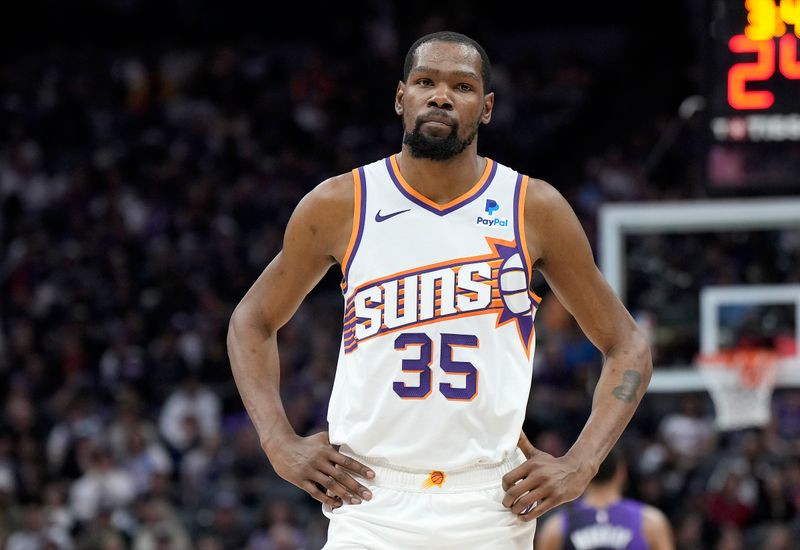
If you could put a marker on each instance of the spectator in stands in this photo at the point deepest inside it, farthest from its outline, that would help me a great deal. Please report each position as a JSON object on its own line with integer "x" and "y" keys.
{"x": 277, "y": 529}
{"x": 159, "y": 526}
{"x": 730, "y": 499}
{"x": 688, "y": 433}
{"x": 103, "y": 484}
{"x": 190, "y": 414}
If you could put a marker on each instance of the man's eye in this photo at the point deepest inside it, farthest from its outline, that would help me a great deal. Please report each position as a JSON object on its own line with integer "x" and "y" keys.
{"x": 464, "y": 87}
{"x": 425, "y": 82}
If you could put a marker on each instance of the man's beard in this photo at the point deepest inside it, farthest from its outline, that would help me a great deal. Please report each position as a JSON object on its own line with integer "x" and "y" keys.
{"x": 436, "y": 148}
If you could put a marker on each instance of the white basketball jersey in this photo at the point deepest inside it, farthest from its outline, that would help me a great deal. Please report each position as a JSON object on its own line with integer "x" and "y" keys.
{"x": 435, "y": 365}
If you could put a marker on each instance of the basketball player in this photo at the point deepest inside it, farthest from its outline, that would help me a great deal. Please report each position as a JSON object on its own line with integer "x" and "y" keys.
{"x": 602, "y": 519}
{"x": 436, "y": 245}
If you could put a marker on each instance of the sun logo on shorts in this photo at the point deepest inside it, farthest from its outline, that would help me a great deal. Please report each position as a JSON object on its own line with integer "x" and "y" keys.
{"x": 434, "y": 478}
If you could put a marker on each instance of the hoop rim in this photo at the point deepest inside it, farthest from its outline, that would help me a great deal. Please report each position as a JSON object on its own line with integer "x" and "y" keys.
{"x": 732, "y": 355}
{"x": 754, "y": 367}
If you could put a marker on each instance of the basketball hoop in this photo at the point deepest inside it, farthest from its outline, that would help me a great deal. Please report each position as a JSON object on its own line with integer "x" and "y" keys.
{"x": 740, "y": 383}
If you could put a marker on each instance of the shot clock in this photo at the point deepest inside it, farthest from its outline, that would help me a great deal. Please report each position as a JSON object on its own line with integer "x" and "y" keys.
{"x": 754, "y": 93}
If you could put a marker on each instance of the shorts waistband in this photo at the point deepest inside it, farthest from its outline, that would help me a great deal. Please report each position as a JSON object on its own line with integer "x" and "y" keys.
{"x": 469, "y": 478}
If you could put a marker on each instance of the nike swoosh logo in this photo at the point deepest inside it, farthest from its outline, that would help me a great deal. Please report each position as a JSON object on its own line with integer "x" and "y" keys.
{"x": 380, "y": 218}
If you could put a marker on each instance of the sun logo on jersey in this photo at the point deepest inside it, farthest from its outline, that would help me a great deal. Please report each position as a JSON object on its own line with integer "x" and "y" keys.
{"x": 435, "y": 478}
{"x": 494, "y": 283}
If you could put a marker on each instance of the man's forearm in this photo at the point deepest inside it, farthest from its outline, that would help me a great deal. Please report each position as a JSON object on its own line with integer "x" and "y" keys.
{"x": 623, "y": 381}
{"x": 253, "y": 354}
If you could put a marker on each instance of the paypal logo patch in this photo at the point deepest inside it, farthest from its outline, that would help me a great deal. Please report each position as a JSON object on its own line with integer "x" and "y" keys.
{"x": 496, "y": 222}
{"x": 492, "y": 220}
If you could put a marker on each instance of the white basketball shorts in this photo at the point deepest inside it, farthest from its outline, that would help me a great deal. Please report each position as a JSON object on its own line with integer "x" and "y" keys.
{"x": 438, "y": 510}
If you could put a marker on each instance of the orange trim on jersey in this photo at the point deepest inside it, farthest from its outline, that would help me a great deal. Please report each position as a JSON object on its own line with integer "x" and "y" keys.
{"x": 422, "y": 198}
{"x": 356, "y": 226}
{"x": 455, "y": 262}
{"x": 486, "y": 311}
{"x": 523, "y": 242}
{"x": 420, "y": 398}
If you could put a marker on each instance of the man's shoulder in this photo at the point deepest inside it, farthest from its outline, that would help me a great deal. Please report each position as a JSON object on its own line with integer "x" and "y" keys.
{"x": 340, "y": 190}
{"x": 337, "y": 184}
{"x": 543, "y": 201}
{"x": 541, "y": 192}
{"x": 334, "y": 192}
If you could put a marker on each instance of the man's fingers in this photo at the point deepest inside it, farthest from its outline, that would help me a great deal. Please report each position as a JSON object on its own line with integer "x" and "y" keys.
{"x": 527, "y": 502}
{"x": 344, "y": 479}
{"x": 517, "y": 474}
{"x": 331, "y": 485}
{"x": 541, "y": 508}
{"x": 344, "y": 462}
{"x": 514, "y": 493}
{"x": 352, "y": 465}
{"x": 519, "y": 481}
{"x": 314, "y": 491}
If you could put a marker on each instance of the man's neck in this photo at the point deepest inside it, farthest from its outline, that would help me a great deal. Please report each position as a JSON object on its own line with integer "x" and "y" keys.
{"x": 442, "y": 181}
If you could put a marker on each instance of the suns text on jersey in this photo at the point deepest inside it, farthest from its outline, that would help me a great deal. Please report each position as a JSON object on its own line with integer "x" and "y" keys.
{"x": 423, "y": 296}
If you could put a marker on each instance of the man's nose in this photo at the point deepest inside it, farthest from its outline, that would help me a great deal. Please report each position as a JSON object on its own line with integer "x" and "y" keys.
{"x": 440, "y": 98}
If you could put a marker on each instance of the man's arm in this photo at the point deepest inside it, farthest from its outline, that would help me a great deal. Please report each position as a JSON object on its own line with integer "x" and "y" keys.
{"x": 657, "y": 529}
{"x": 316, "y": 237}
{"x": 549, "y": 536}
{"x": 560, "y": 250}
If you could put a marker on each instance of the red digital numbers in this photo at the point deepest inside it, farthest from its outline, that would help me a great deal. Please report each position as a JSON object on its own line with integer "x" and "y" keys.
{"x": 740, "y": 74}
{"x": 739, "y": 97}
{"x": 790, "y": 65}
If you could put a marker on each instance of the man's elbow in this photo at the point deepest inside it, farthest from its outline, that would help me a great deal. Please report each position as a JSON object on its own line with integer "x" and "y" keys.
{"x": 640, "y": 348}
{"x": 236, "y": 319}
{"x": 243, "y": 322}
{"x": 230, "y": 338}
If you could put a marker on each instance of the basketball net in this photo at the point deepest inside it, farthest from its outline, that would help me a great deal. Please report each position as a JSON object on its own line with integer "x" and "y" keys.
{"x": 740, "y": 382}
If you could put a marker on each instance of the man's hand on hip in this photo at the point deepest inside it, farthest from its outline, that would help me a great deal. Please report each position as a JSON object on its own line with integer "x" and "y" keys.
{"x": 312, "y": 464}
{"x": 541, "y": 483}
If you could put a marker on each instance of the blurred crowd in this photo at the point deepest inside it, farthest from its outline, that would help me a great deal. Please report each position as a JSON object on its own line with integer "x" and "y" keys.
{"x": 143, "y": 190}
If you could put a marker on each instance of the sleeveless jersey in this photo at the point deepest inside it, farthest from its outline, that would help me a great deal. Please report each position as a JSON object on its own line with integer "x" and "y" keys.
{"x": 435, "y": 363}
{"x": 617, "y": 527}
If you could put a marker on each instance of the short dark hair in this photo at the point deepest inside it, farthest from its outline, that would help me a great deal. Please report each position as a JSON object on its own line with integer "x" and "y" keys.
{"x": 458, "y": 38}
{"x": 609, "y": 466}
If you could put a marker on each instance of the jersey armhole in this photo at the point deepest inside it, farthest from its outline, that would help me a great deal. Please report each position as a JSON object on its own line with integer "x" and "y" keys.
{"x": 358, "y": 223}
{"x": 519, "y": 229}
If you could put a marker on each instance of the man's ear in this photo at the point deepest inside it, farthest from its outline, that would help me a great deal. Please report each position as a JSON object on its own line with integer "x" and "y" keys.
{"x": 488, "y": 106}
{"x": 398, "y": 97}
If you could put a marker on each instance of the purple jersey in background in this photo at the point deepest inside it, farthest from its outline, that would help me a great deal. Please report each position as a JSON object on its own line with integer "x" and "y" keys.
{"x": 617, "y": 527}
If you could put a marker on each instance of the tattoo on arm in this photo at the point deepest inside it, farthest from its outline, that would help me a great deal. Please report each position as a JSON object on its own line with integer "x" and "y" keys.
{"x": 631, "y": 380}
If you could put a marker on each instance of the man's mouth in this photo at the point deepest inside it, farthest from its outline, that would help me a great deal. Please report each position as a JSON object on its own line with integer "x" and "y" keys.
{"x": 438, "y": 120}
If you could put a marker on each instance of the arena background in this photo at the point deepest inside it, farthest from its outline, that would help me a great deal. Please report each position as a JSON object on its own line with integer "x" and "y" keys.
{"x": 152, "y": 152}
